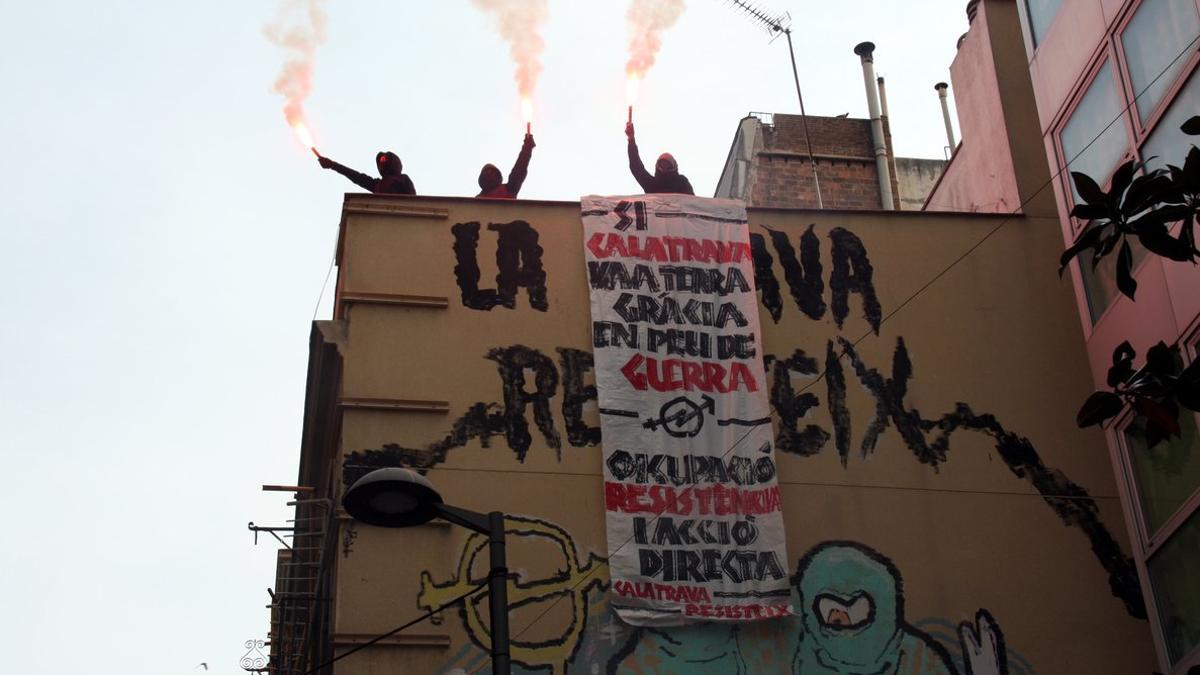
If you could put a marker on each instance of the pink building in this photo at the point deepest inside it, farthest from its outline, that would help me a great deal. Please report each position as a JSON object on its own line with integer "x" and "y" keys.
{"x": 1111, "y": 80}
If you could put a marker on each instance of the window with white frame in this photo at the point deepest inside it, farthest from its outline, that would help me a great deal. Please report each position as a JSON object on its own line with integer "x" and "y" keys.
{"x": 1165, "y": 490}
{"x": 1151, "y": 44}
{"x": 1144, "y": 89}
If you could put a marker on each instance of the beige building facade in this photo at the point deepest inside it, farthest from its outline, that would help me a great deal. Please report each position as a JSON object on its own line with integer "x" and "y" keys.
{"x": 932, "y": 478}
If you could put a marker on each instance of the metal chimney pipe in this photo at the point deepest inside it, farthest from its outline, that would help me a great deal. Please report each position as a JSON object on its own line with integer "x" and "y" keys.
{"x": 865, "y": 51}
{"x": 882, "y": 97}
{"x": 941, "y": 88}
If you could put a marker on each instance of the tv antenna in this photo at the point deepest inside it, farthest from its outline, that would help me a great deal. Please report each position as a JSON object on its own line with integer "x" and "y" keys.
{"x": 776, "y": 24}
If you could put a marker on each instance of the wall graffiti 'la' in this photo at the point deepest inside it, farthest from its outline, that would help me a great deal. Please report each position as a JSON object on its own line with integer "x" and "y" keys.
{"x": 519, "y": 265}
{"x": 851, "y": 620}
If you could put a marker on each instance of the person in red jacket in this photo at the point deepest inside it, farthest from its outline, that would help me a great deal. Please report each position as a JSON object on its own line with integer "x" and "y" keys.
{"x": 491, "y": 185}
{"x": 392, "y": 180}
{"x": 666, "y": 178}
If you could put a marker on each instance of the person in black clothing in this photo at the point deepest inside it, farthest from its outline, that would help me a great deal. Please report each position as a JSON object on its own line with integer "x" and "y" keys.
{"x": 491, "y": 185}
{"x": 666, "y": 178}
{"x": 391, "y": 181}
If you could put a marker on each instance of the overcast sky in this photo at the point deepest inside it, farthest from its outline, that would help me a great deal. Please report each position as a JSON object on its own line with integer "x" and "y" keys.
{"x": 165, "y": 241}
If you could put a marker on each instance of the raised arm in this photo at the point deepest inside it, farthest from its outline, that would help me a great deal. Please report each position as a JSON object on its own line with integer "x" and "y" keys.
{"x": 636, "y": 167}
{"x": 516, "y": 177}
{"x": 360, "y": 179}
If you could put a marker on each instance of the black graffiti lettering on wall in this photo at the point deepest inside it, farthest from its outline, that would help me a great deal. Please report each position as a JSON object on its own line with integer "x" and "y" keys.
{"x": 482, "y": 421}
{"x": 764, "y": 277}
{"x": 1071, "y": 502}
{"x": 791, "y": 408}
{"x": 803, "y": 275}
{"x": 852, "y": 273}
{"x": 513, "y": 362}
{"x": 835, "y": 380}
{"x": 889, "y": 396}
{"x": 888, "y": 393}
{"x": 518, "y": 261}
{"x": 575, "y": 364}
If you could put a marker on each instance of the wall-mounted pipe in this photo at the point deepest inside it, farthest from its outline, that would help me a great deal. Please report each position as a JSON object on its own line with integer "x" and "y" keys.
{"x": 865, "y": 51}
{"x": 942, "y": 88}
{"x": 882, "y": 97}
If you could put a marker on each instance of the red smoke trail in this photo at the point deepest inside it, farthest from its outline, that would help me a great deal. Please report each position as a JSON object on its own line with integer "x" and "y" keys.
{"x": 647, "y": 19}
{"x": 298, "y": 28}
{"x": 519, "y": 23}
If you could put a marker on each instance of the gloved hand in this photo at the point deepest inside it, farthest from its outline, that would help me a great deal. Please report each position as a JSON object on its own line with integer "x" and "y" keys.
{"x": 629, "y": 130}
{"x": 325, "y": 162}
{"x": 529, "y": 141}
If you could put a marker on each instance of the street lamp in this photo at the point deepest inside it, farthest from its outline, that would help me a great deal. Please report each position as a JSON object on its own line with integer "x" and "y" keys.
{"x": 402, "y": 498}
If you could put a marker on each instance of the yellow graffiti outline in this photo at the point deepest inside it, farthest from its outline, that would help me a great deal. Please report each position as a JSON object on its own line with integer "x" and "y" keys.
{"x": 533, "y": 655}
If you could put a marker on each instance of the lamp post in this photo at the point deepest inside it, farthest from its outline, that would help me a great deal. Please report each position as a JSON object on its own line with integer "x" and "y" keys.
{"x": 402, "y": 498}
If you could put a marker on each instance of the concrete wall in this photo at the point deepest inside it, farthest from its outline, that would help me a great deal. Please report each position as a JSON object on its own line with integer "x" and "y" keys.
{"x": 917, "y": 178}
{"x": 938, "y": 447}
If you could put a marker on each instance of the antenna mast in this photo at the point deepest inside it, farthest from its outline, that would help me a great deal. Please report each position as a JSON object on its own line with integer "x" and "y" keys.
{"x": 776, "y": 24}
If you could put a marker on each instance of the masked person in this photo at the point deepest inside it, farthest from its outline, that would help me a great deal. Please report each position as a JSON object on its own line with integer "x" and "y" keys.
{"x": 490, "y": 180}
{"x": 391, "y": 181}
{"x": 666, "y": 178}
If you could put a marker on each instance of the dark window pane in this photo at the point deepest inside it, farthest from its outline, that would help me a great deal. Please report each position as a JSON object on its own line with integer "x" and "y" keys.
{"x": 1167, "y": 142}
{"x": 1041, "y": 13}
{"x": 1167, "y": 474}
{"x": 1156, "y": 34}
{"x": 1176, "y": 584}
{"x": 1100, "y": 284}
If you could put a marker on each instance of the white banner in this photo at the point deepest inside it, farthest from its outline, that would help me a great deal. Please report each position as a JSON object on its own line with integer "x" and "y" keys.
{"x": 695, "y": 530}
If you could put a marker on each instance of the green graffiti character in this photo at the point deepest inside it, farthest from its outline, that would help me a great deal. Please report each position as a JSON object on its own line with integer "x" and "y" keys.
{"x": 850, "y": 621}
{"x": 852, "y": 609}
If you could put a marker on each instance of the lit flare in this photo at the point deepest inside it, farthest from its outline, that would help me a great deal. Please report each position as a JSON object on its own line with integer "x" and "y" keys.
{"x": 633, "y": 82}
{"x": 304, "y": 135}
{"x": 527, "y": 113}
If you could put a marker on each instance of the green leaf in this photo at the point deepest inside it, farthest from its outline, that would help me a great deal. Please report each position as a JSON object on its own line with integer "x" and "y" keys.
{"x": 1120, "y": 373}
{"x": 1125, "y": 281}
{"x": 1087, "y": 188}
{"x": 1124, "y": 352}
{"x": 1100, "y": 406}
{"x": 1191, "y": 170}
{"x": 1187, "y": 387}
{"x": 1192, "y": 126}
{"x": 1088, "y": 239}
{"x": 1120, "y": 180}
{"x": 1155, "y": 237}
{"x": 1089, "y": 212}
{"x": 1145, "y": 192}
{"x": 1161, "y": 360}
